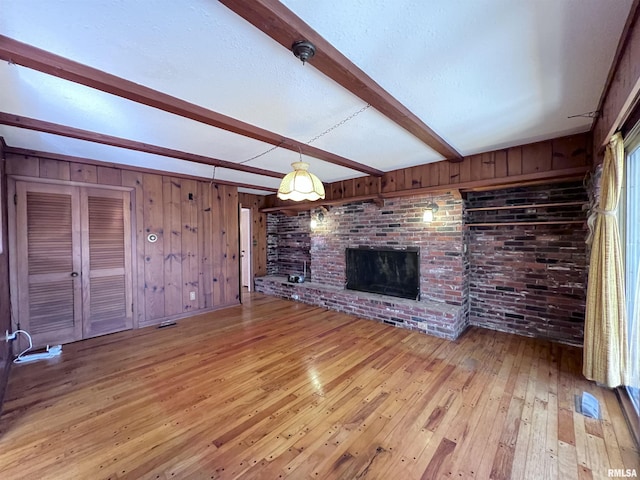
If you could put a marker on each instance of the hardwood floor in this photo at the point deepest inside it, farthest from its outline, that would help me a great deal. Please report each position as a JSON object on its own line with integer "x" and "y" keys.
{"x": 276, "y": 389}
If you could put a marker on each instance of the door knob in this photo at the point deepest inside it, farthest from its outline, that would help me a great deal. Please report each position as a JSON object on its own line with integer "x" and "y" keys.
{"x": 74, "y": 274}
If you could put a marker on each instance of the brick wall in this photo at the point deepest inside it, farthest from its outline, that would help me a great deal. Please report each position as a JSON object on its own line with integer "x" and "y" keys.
{"x": 529, "y": 280}
{"x": 288, "y": 244}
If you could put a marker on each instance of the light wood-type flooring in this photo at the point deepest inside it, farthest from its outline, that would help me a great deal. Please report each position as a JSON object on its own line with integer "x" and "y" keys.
{"x": 276, "y": 389}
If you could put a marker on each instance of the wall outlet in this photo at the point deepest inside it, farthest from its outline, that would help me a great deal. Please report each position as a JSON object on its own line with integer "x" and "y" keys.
{"x": 192, "y": 295}
{"x": 9, "y": 336}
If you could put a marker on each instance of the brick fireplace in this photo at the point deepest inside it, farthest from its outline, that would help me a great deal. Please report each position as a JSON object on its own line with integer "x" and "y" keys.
{"x": 442, "y": 309}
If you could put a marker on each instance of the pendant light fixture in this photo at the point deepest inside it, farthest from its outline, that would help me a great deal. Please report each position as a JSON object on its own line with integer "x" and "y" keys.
{"x": 301, "y": 184}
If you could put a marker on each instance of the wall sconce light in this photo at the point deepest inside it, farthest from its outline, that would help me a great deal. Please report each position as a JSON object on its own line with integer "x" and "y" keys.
{"x": 431, "y": 209}
{"x": 317, "y": 220}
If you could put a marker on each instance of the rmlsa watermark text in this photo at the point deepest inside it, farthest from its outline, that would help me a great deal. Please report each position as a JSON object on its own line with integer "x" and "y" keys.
{"x": 622, "y": 473}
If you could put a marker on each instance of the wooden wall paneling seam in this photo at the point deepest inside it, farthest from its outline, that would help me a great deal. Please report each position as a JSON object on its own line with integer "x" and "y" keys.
{"x": 536, "y": 157}
{"x": 465, "y": 170}
{"x": 476, "y": 167}
{"x": 226, "y": 247}
{"x": 335, "y": 189}
{"x": 54, "y": 169}
{"x": 500, "y": 166}
{"x": 190, "y": 255}
{"x": 514, "y": 161}
{"x": 444, "y": 175}
{"x": 259, "y": 243}
{"x": 234, "y": 226}
{"x": 219, "y": 226}
{"x": 218, "y": 245}
{"x": 14, "y": 291}
{"x": 129, "y": 259}
{"x": 388, "y": 182}
{"x": 201, "y": 205}
{"x": 454, "y": 172}
{"x": 85, "y": 269}
{"x": 84, "y": 173}
{"x": 207, "y": 242}
{"x": 360, "y": 186}
{"x": 172, "y": 254}
{"x": 109, "y": 176}
{"x": 488, "y": 165}
{"x": 154, "y": 252}
{"x": 133, "y": 180}
{"x": 401, "y": 180}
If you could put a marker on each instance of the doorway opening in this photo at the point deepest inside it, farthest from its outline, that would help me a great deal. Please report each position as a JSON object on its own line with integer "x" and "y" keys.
{"x": 246, "y": 271}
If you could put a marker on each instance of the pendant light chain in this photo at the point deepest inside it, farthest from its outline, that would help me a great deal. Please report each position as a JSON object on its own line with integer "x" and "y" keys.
{"x": 339, "y": 124}
{"x": 263, "y": 153}
{"x": 330, "y": 129}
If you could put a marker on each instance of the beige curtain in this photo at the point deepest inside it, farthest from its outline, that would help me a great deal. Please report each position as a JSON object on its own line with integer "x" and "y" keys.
{"x": 605, "y": 331}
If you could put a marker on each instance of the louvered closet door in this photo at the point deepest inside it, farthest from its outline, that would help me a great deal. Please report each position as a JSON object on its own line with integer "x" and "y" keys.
{"x": 49, "y": 262}
{"x": 106, "y": 258}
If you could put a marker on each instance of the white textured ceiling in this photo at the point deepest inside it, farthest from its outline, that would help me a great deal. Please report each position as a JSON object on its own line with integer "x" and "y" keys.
{"x": 483, "y": 74}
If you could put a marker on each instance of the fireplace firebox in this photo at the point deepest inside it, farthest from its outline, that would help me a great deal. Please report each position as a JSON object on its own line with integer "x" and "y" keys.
{"x": 386, "y": 271}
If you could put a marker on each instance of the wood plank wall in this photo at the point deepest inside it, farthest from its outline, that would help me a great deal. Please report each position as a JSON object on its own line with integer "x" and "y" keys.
{"x": 5, "y": 310}
{"x": 622, "y": 93}
{"x": 197, "y": 227}
{"x": 534, "y": 161}
{"x": 258, "y": 231}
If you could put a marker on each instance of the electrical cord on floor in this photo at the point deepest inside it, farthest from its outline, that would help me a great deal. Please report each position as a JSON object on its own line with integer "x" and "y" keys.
{"x": 17, "y": 359}
{"x": 50, "y": 353}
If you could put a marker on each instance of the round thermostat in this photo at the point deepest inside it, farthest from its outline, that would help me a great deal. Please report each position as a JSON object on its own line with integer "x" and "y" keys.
{"x": 152, "y": 237}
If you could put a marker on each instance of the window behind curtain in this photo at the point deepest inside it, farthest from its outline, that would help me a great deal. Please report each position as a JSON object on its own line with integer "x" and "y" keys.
{"x": 631, "y": 214}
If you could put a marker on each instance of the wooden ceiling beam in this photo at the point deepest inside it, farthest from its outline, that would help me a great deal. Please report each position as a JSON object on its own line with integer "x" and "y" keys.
{"x": 37, "y": 59}
{"x": 285, "y": 27}
{"x": 72, "y": 132}
{"x": 26, "y": 152}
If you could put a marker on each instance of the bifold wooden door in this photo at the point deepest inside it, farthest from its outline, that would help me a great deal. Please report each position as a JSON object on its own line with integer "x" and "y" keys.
{"x": 49, "y": 262}
{"x": 106, "y": 261}
{"x": 73, "y": 261}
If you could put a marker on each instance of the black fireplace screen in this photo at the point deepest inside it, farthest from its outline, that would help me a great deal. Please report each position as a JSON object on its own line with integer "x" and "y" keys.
{"x": 387, "y": 271}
